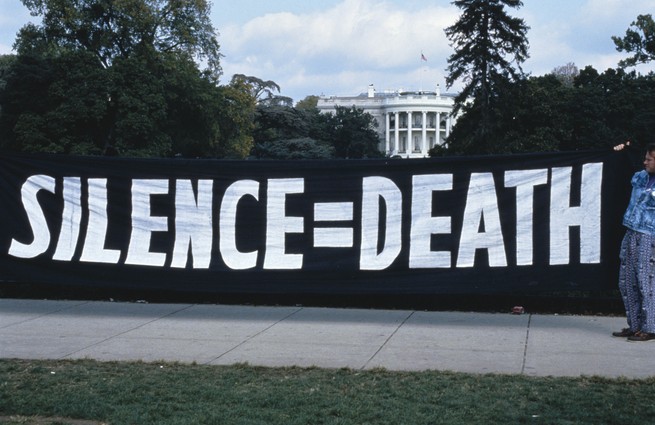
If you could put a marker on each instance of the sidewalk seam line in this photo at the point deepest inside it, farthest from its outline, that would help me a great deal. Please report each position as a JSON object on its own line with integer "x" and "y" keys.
{"x": 250, "y": 338}
{"x": 387, "y": 340}
{"x": 128, "y": 330}
{"x": 44, "y": 315}
{"x": 525, "y": 347}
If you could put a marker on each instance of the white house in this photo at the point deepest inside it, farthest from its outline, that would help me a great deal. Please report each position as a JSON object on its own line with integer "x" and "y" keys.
{"x": 409, "y": 123}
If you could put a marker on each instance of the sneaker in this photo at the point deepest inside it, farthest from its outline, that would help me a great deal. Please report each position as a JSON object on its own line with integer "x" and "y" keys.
{"x": 641, "y": 336}
{"x": 624, "y": 333}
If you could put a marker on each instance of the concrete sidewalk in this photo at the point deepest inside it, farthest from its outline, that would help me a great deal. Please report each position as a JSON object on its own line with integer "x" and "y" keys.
{"x": 535, "y": 345}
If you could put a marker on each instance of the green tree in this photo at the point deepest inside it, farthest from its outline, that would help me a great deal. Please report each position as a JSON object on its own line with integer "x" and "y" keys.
{"x": 200, "y": 114}
{"x": 599, "y": 110}
{"x": 534, "y": 115}
{"x": 308, "y": 103}
{"x": 300, "y": 148}
{"x": 121, "y": 78}
{"x": 23, "y": 98}
{"x": 6, "y": 64}
{"x": 283, "y": 132}
{"x": 236, "y": 110}
{"x": 276, "y": 122}
{"x": 566, "y": 73}
{"x": 352, "y": 133}
{"x": 639, "y": 40}
{"x": 111, "y": 29}
{"x": 489, "y": 48}
{"x": 264, "y": 92}
{"x": 67, "y": 104}
{"x": 52, "y": 105}
{"x": 612, "y": 107}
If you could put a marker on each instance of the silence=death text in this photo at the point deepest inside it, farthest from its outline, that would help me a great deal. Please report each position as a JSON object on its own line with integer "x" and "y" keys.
{"x": 200, "y": 220}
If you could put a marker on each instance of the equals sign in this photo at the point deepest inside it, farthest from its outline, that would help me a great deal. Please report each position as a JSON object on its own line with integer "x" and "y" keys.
{"x": 333, "y": 237}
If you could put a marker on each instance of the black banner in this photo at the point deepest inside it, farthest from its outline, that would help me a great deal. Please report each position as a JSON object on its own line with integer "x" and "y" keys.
{"x": 520, "y": 223}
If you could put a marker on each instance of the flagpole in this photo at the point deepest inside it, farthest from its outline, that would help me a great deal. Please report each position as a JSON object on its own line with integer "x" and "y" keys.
{"x": 423, "y": 59}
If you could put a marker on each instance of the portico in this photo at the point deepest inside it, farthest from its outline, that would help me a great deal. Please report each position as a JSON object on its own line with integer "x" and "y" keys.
{"x": 409, "y": 123}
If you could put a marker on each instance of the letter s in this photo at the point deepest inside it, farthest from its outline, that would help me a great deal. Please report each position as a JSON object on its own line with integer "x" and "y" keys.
{"x": 36, "y": 217}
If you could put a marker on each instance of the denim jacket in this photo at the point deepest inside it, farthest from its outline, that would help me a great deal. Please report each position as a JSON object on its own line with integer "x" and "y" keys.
{"x": 640, "y": 215}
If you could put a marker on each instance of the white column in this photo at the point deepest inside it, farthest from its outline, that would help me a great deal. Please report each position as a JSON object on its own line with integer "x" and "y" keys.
{"x": 396, "y": 135}
{"x": 409, "y": 146}
{"x": 387, "y": 130}
{"x": 424, "y": 135}
{"x": 437, "y": 139}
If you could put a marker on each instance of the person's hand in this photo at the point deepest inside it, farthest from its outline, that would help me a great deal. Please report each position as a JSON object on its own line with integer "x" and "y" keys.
{"x": 622, "y": 146}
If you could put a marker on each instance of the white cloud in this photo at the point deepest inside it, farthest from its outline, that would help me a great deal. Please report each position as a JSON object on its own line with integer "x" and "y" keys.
{"x": 358, "y": 31}
{"x": 352, "y": 43}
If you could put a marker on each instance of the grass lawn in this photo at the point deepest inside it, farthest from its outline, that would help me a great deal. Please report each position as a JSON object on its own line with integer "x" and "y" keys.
{"x": 46, "y": 392}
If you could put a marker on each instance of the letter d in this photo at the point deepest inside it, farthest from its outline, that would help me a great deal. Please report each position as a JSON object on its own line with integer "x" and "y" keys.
{"x": 374, "y": 188}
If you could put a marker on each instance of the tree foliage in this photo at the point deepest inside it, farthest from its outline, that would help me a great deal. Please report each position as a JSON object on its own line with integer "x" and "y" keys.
{"x": 300, "y": 148}
{"x": 281, "y": 132}
{"x": 120, "y": 77}
{"x": 137, "y": 107}
{"x": 264, "y": 92}
{"x": 612, "y": 107}
{"x": 639, "y": 40}
{"x": 352, "y": 132}
{"x": 278, "y": 122}
{"x": 598, "y": 110}
{"x": 566, "y": 74}
{"x": 568, "y": 109}
{"x": 308, "y": 103}
{"x": 111, "y": 29}
{"x": 487, "y": 41}
{"x": 235, "y": 112}
{"x": 489, "y": 48}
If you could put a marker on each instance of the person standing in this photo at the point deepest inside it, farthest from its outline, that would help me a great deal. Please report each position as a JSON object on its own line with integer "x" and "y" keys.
{"x": 637, "y": 254}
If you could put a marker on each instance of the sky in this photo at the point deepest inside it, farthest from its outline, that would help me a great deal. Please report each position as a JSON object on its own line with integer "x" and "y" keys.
{"x": 340, "y": 47}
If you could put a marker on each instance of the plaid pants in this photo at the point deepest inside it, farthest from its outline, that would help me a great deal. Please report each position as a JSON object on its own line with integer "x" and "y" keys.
{"x": 637, "y": 280}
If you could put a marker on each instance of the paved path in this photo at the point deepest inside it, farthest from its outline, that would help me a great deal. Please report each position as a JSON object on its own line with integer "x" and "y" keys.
{"x": 535, "y": 345}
